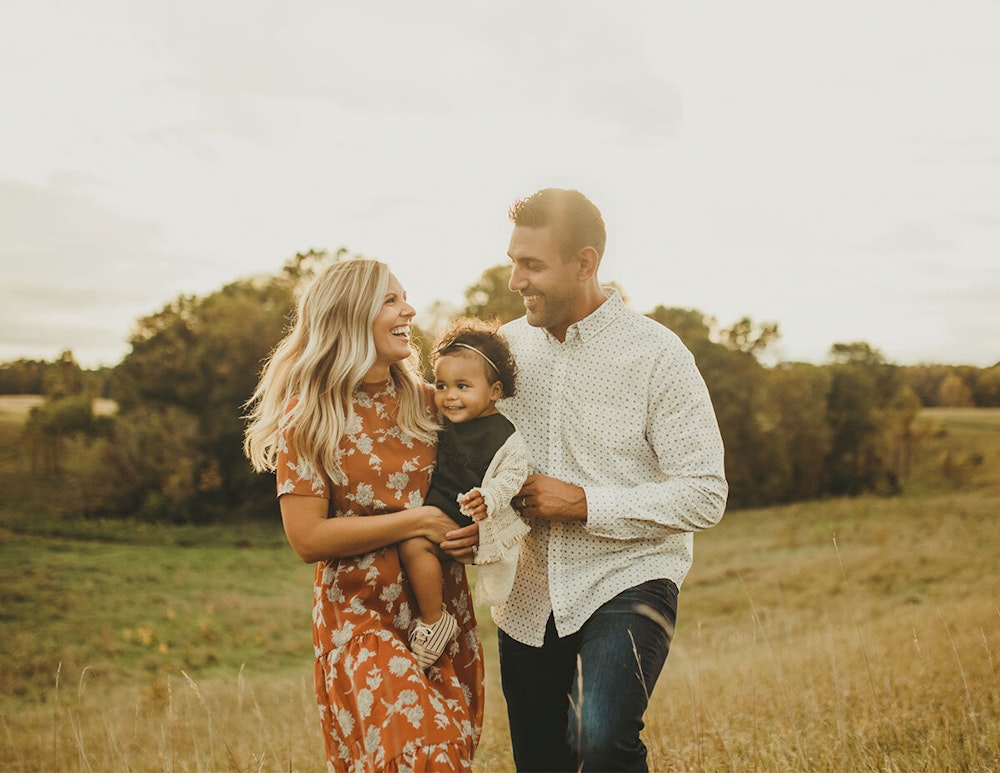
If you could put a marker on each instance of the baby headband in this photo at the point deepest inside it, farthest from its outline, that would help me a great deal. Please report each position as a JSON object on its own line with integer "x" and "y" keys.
{"x": 474, "y": 349}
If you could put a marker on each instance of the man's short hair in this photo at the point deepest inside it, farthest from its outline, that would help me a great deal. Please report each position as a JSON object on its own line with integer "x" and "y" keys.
{"x": 575, "y": 221}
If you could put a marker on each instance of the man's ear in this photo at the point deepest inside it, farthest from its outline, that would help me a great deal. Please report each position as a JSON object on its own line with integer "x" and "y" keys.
{"x": 588, "y": 260}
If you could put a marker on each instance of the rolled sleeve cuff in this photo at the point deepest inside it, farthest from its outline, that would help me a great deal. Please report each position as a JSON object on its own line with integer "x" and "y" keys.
{"x": 604, "y": 514}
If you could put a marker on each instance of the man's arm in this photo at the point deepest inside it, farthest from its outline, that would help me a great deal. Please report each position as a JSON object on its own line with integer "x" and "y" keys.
{"x": 690, "y": 492}
{"x": 687, "y": 490}
{"x": 551, "y": 499}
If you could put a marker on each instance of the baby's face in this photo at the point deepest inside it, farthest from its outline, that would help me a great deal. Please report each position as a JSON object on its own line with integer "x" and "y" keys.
{"x": 463, "y": 391}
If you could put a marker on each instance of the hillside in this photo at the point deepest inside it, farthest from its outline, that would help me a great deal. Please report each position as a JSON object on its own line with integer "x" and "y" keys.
{"x": 849, "y": 634}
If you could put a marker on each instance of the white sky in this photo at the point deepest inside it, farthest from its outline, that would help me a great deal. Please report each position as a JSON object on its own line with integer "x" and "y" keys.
{"x": 830, "y": 166}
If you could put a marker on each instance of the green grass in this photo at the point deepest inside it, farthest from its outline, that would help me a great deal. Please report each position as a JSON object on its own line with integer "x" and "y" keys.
{"x": 137, "y": 611}
{"x": 840, "y": 635}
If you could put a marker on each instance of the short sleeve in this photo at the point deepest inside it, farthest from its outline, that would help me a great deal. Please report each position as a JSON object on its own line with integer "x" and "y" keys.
{"x": 294, "y": 475}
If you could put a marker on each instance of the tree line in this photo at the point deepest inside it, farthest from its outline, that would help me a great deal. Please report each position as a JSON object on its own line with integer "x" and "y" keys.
{"x": 172, "y": 449}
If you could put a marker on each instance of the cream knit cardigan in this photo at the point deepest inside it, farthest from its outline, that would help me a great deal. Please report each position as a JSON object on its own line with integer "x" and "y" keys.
{"x": 501, "y": 531}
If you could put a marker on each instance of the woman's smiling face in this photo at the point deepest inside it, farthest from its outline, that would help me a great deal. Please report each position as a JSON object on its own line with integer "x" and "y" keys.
{"x": 391, "y": 330}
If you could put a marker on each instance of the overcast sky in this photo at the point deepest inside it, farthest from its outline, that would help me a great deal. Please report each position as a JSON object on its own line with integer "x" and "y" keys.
{"x": 830, "y": 166}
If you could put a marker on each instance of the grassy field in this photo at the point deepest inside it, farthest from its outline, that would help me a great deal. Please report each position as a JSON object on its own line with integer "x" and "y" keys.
{"x": 831, "y": 636}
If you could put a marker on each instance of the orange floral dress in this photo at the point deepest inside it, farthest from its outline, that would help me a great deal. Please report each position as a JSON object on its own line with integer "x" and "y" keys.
{"x": 379, "y": 711}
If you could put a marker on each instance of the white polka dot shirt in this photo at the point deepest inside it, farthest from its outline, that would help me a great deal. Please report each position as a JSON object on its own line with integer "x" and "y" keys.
{"x": 621, "y": 410}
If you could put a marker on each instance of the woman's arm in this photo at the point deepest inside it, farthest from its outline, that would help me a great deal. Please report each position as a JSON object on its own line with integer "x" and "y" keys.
{"x": 314, "y": 537}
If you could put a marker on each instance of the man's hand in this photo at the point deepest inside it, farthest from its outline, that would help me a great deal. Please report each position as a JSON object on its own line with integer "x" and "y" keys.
{"x": 461, "y": 544}
{"x": 551, "y": 499}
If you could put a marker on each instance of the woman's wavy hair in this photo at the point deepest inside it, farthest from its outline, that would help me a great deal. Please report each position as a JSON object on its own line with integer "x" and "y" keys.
{"x": 467, "y": 333}
{"x": 307, "y": 383}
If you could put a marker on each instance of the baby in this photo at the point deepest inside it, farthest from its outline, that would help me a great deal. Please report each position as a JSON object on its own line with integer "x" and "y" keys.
{"x": 482, "y": 463}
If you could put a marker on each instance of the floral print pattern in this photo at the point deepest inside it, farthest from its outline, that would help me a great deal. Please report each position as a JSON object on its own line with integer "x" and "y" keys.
{"x": 378, "y": 710}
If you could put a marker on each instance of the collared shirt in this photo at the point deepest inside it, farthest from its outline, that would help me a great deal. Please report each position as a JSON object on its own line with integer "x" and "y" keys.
{"x": 620, "y": 409}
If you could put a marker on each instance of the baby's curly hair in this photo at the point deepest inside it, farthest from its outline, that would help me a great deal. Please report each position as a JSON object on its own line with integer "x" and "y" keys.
{"x": 487, "y": 341}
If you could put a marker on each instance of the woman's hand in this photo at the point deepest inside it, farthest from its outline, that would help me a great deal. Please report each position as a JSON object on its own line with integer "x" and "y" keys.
{"x": 436, "y": 524}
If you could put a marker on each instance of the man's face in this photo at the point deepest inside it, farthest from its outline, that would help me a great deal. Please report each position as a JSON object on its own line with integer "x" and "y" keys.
{"x": 549, "y": 286}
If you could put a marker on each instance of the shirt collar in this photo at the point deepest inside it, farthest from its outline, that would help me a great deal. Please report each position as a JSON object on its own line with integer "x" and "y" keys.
{"x": 597, "y": 320}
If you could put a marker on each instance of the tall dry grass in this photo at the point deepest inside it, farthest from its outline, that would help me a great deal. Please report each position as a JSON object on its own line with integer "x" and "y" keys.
{"x": 847, "y": 635}
{"x": 174, "y": 724}
{"x": 875, "y": 652}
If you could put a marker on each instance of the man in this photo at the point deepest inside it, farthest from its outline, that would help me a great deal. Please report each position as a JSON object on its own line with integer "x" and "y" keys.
{"x": 620, "y": 423}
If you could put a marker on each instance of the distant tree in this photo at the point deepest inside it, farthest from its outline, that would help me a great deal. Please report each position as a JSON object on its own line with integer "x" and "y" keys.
{"x": 158, "y": 368}
{"x": 851, "y": 409}
{"x": 22, "y": 377}
{"x": 791, "y": 431}
{"x": 68, "y": 411}
{"x": 490, "y": 298}
{"x": 691, "y": 326}
{"x": 986, "y": 391}
{"x": 64, "y": 378}
{"x": 954, "y": 393}
{"x": 954, "y": 385}
{"x": 437, "y": 315}
{"x": 900, "y": 435}
{"x": 797, "y": 431}
{"x": 750, "y": 338}
{"x": 801, "y": 392}
{"x": 154, "y": 466}
{"x": 856, "y": 353}
{"x": 51, "y": 424}
{"x": 870, "y": 410}
{"x": 758, "y": 463}
{"x": 192, "y": 367}
{"x": 925, "y": 381}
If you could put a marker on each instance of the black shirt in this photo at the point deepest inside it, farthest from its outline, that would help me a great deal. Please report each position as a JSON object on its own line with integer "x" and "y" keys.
{"x": 464, "y": 453}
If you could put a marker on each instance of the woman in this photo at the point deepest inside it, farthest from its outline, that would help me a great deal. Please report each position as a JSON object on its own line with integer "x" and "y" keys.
{"x": 345, "y": 421}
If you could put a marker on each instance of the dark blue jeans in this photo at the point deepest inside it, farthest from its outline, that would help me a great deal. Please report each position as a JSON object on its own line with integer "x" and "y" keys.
{"x": 576, "y": 703}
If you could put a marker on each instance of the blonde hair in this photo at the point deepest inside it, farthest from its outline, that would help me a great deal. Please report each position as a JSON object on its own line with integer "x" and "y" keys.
{"x": 320, "y": 363}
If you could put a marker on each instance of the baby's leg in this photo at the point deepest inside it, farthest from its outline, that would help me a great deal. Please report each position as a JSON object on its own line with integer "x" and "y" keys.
{"x": 422, "y": 565}
{"x": 435, "y": 629}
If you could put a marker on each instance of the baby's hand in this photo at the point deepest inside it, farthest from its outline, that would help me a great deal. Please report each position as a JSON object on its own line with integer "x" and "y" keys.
{"x": 472, "y": 504}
